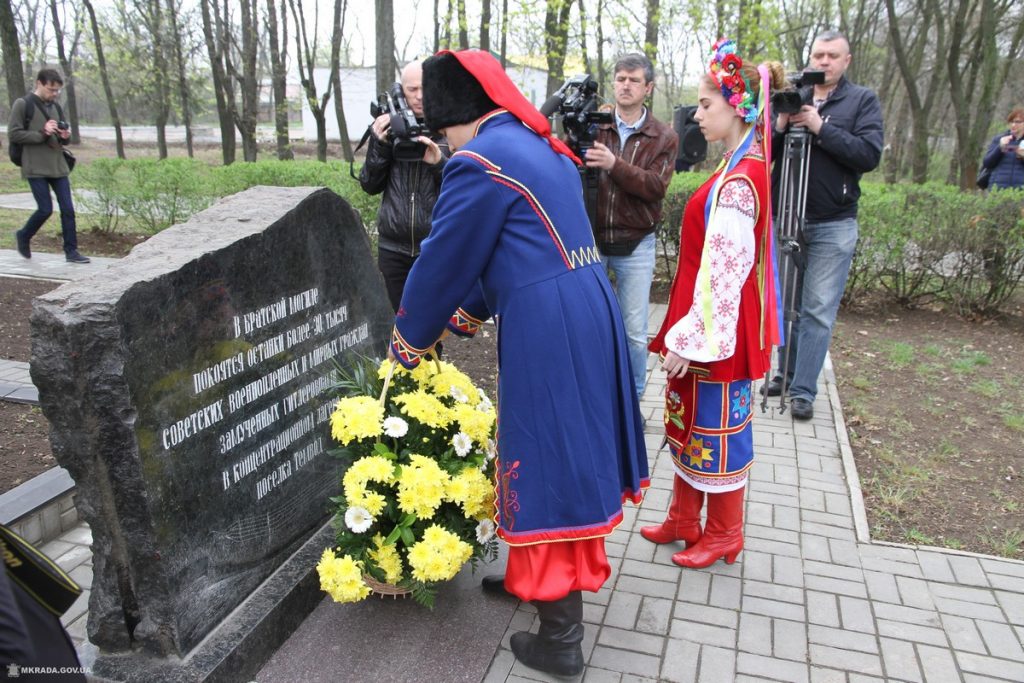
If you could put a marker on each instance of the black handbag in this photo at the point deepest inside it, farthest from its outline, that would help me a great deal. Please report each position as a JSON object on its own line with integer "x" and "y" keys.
{"x": 983, "y": 178}
{"x": 70, "y": 158}
{"x": 37, "y": 574}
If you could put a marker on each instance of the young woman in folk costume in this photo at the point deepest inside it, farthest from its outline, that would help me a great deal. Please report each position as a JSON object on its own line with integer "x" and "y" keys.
{"x": 722, "y": 315}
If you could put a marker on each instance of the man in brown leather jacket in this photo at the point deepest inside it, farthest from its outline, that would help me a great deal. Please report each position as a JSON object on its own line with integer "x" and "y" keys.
{"x": 636, "y": 155}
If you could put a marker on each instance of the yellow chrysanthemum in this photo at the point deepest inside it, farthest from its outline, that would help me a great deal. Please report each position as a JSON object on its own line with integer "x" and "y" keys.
{"x": 472, "y": 489}
{"x": 442, "y": 383}
{"x": 356, "y": 417}
{"x": 439, "y": 556}
{"x": 478, "y": 424}
{"x": 419, "y": 373}
{"x": 424, "y": 407}
{"x": 371, "y": 468}
{"x": 341, "y": 577}
{"x": 387, "y": 558}
{"x": 421, "y": 487}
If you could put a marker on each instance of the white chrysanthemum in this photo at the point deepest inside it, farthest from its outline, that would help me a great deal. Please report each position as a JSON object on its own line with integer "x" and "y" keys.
{"x": 358, "y": 519}
{"x": 484, "y": 531}
{"x": 492, "y": 449}
{"x": 458, "y": 394}
{"x": 395, "y": 427}
{"x": 485, "y": 404}
{"x": 463, "y": 444}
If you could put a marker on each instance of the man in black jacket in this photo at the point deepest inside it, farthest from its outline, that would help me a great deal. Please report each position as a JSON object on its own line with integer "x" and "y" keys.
{"x": 410, "y": 190}
{"x": 845, "y": 122}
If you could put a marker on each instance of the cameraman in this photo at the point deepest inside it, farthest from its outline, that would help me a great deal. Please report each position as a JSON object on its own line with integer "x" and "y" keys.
{"x": 637, "y": 154}
{"x": 43, "y": 164}
{"x": 410, "y": 189}
{"x": 845, "y": 122}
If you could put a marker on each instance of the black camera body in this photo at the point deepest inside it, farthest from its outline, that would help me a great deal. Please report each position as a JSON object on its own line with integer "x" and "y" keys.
{"x": 62, "y": 125}
{"x": 577, "y": 103}
{"x": 404, "y": 126}
{"x": 790, "y": 100}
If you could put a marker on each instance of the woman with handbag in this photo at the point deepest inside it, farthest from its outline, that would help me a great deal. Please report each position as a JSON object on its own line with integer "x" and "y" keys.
{"x": 1005, "y": 157}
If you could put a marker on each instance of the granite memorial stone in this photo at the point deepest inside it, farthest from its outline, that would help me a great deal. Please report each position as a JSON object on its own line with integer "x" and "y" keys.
{"x": 188, "y": 391}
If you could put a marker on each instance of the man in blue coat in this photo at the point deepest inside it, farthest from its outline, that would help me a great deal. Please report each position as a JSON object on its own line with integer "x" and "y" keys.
{"x": 510, "y": 239}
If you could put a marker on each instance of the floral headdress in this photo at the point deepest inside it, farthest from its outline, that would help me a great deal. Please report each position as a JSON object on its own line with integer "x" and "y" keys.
{"x": 725, "y": 67}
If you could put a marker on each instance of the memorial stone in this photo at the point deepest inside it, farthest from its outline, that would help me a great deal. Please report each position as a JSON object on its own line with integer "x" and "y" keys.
{"x": 188, "y": 390}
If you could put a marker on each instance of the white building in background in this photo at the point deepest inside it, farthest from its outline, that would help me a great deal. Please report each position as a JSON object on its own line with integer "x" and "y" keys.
{"x": 359, "y": 89}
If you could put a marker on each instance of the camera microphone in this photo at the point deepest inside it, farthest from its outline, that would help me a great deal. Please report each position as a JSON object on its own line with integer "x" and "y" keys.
{"x": 551, "y": 105}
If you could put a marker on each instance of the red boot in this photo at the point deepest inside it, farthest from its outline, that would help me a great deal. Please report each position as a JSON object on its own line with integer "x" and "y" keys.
{"x": 723, "y": 534}
{"x": 683, "y": 521}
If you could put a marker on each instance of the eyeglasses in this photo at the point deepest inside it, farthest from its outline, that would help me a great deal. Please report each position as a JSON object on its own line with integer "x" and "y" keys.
{"x": 1017, "y": 121}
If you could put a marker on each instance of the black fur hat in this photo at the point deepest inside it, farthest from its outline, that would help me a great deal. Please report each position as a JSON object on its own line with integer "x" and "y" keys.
{"x": 451, "y": 95}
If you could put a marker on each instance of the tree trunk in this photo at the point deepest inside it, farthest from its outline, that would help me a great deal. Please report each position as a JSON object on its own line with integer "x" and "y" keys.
{"x": 386, "y": 65}
{"x": 602, "y": 73}
{"x": 68, "y": 69}
{"x": 340, "y": 7}
{"x": 504, "y": 33}
{"x": 105, "y": 77}
{"x": 463, "y": 25}
{"x": 651, "y": 30}
{"x": 278, "y": 57}
{"x": 248, "y": 83}
{"x": 305, "y": 56}
{"x": 163, "y": 104}
{"x": 12, "y": 53}
{"x": 221, "y": 86}
{"x": 485, "y": 26}
{"x": 556, "y": 30}
{"x": 183, "y": 90}
{"x": 446, "y": 38}
{"x": 437, "y": 27}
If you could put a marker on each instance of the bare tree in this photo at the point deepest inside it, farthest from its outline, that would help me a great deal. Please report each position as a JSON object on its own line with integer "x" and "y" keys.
{"x": 216, "y": 45}
{"x": 179, "y": 59}
{"x": 387, "y": 67}
{"x": 151, "y": 14}
{"x": 305, "y": 54}
{"x": 340, "y": 8}
{"x": 12, "y": 53}
{"x": 101, "y": 62}
{"x": 66, "y": 64}
{"x": 651, "y": 30}
{"x": 33, "y": 22}
{"x": 278, "y": 69}
{"x": 247, "y": 77}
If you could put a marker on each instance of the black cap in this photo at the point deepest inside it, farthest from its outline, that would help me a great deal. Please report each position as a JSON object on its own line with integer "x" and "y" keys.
{"x": 451, "y": 95}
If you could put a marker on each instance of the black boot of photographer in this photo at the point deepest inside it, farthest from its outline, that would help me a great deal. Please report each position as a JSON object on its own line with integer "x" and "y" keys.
{"x": 556, "y": 649}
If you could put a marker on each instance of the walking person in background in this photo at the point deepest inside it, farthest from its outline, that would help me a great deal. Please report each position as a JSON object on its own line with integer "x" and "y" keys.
{"x": 845, "y": 123}
{"x": 1005, "y": 156}
{"x": 636, "y": 155}
{"x": 722, "y": 318}
{"x": 43, "y": 164}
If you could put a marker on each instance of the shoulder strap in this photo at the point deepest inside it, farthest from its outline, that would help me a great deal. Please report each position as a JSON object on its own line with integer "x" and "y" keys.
{"x": 30, "y": 109}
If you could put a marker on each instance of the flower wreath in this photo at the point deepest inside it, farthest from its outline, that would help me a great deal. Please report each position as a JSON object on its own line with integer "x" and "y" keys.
{"x": 725, "y": 68}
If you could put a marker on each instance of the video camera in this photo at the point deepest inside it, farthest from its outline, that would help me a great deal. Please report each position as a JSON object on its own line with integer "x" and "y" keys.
{"x": 790, "y": 100}
{"x": 404, "y": 126}
{"x": 577, "y": 102}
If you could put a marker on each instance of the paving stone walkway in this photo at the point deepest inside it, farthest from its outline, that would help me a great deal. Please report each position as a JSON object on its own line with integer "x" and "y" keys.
{"x": 811, "y": 598}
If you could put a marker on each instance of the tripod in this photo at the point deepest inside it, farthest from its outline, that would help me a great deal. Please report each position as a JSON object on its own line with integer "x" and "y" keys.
{"x": 789, "y": 222}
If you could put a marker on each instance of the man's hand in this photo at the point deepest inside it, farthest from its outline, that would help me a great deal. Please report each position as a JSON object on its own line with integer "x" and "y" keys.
{"x": 64, "y": 134}
{"x": 674, "y": 365}
{"x": 382, "y": 126}
{"x": 809, "y": 118}
{"x": 599, "y": 156}
{"x": 781, "y": 123}
{"x": 50, "y": 127}
{"x": 432, "y": 154}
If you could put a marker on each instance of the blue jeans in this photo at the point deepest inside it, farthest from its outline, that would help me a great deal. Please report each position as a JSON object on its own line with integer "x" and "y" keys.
{"x": 828, "y": 247}
{"x": 44, "y": 207}
{"x": 633, "y": 275}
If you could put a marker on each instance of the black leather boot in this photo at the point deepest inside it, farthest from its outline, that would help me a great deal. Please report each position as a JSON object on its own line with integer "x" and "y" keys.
{"x": 556, "y": 648}
{"x": 495, "y": 585}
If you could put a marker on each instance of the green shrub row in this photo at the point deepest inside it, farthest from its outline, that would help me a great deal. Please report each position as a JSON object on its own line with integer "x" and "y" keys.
{"x": 918, "y": 243}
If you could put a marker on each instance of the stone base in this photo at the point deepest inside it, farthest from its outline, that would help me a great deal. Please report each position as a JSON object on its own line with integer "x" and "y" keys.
{"x": 238, "y": 648}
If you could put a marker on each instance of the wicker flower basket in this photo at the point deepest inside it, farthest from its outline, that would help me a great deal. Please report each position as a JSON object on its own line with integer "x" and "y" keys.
{"x": 385, "y": 589}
